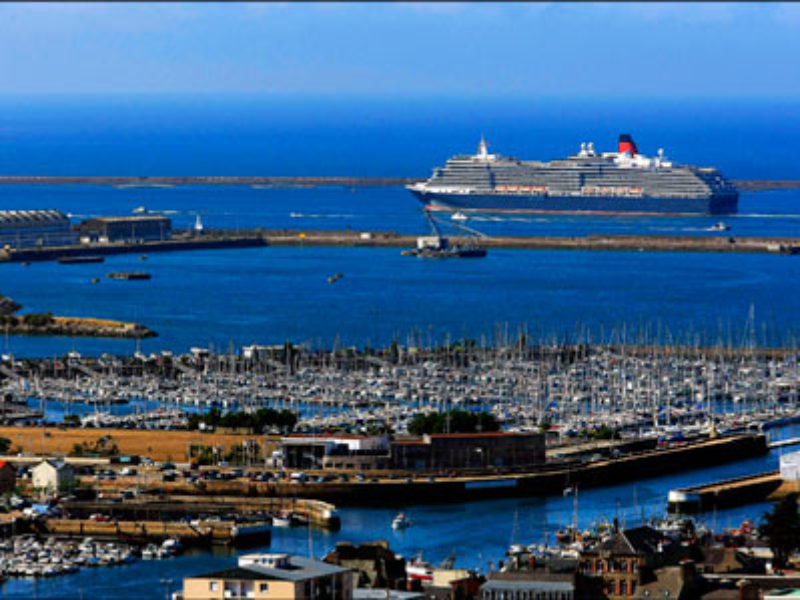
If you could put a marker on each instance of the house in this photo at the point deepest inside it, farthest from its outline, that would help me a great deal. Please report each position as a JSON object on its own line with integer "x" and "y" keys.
{"x": 531, "y": 578}
{"x": 675, "y": 582}
{"x": 448, "y": 584}
{"x": 8, "y": 477}
{"x": 272, "y": 577}
{"x": 373, "y": 564}
{"x": 528, "y": 587}
{"x": 616, "y": 567}
{"x": 52, "y": 476}
{"x": 377, "y": 594}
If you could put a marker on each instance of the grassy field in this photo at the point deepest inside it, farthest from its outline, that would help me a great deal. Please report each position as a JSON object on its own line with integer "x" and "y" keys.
{"x": 158, "y": 445}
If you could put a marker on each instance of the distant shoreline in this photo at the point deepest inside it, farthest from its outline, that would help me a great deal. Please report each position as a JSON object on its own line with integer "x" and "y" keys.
{"x": 124, "y": 181}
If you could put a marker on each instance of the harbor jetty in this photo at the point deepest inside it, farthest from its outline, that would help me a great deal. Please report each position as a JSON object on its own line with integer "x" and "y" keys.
{"x": 232, "y": 239}
{"x": 729, "y": 493}
{"x": 127, "y": 181}
{"x": 177, "y": 507}
{"x": 201, "y": 533}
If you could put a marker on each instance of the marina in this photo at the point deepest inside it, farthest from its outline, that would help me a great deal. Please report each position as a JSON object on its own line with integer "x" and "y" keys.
{"x": 640, "y": 391}
{"x": 655, "y": 356}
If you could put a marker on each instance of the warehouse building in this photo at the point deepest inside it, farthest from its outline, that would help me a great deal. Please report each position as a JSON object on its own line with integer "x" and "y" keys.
{"x": 32, "y": 228}
{"x": 141, "y": 228}
{"x": 470, "y": 451}
{"x": 433, "y": 452}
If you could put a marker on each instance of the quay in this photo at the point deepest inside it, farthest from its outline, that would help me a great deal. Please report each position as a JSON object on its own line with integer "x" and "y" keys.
{"x": 321, "y": 515}
{"x": 549, "y": 479}
{"x": 127, "y": 181}
{"x": 203, "y": 533}
{"x": 728, "y": 493}
{"x": 784, "y": 443}
{"x": 232, "y": 239}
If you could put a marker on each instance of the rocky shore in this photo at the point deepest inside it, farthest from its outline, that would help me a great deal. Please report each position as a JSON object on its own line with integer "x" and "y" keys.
{"x": 49, "y": 325}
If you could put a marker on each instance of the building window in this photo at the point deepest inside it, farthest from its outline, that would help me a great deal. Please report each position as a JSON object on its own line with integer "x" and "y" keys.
{"x": 213, "y": 586}
{"x": 263, "y": 588}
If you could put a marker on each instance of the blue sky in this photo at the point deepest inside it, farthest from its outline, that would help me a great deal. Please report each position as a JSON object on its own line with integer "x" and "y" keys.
{"x": 416, "y": 49}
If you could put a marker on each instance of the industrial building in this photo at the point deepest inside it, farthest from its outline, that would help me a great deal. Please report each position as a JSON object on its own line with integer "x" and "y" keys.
{"x": 335, "y": 452}
{"x": 139, "y": 228}
{"x": 470, "y": 451}
{"x": 430, "y": 453}
{"x": 32, "y": 228}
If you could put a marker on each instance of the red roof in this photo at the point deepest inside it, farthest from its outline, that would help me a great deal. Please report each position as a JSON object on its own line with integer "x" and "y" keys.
{"x": 480, "y": 435}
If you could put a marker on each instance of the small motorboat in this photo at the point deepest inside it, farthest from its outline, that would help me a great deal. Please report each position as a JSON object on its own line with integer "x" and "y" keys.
{"x": 401, "y": 522}
{"x": 282, "y": 519}
{"x": 720, "y": 226}
{"x": 459, "y": 216}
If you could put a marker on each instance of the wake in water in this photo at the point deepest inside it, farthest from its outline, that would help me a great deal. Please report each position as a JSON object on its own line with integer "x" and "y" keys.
{"x": 296, "y": 215}
{"x": 765, "y": 216}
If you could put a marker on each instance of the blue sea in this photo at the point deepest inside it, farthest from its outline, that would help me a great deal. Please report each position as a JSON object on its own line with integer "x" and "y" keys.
{"x": 269, "y": 295}
{"x": 273, "y": 294}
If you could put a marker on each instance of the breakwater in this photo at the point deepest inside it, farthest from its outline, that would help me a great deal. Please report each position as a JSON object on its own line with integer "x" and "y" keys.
{"x": 146, "y": 507}
{"x": 737, "y": 491}
{"x": 747, "y": 185}
{"x": 126, "y": 181}
{"x": 549, "y": 480}
{"x": 231, "y": 239}
{"x": 203, "y": 533}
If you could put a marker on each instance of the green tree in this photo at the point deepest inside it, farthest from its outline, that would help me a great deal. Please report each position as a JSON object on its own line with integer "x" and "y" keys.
{"x": 781, "y": 528}
{"x": 72, "y": 421}
{"x": 5, "y": 444}
{"x": 456, "y": 421}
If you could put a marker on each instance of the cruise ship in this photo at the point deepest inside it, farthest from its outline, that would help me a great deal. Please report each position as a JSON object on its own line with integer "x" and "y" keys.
{"x": 589, "y": 182}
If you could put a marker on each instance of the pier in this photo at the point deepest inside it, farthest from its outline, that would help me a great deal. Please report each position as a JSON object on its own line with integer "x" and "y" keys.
{"x": 729, "y": 493}
{"x": 232, "y": 239}
{"x": 147, "y": 507}
{"x": 204, "y": 533}
{"x": 785, "y": 443}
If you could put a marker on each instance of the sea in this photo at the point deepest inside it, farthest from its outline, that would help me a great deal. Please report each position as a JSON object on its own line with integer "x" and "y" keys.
{"x": 229, "y": 298}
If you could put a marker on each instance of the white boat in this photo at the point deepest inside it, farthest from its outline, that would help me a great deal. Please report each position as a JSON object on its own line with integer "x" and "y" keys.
{"x": 282, "y": 519}
{"x": 720, "y": 226}
{"x": 400, "y": 522}
{"x": 171, "y": 546}
{"x": 140, "y": 210}
{"x": 459, "y": 216}
{"x": 419, "y": 570}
